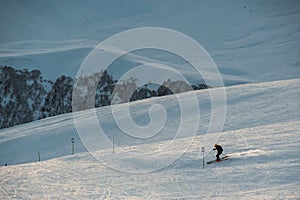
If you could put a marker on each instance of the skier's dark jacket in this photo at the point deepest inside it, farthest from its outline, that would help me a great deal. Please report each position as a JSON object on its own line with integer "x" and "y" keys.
{"x": 219, "y": 149}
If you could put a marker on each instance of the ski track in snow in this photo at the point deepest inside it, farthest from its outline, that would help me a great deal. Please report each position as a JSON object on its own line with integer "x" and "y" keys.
{"x": 263, "y": 147}
{"x": 272, "y": 174}
{"x": 250, "y": 41}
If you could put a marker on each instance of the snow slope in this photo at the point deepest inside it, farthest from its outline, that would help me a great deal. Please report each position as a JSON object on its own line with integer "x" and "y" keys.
{"x": 266, "y": 166}
{"x": 261, "y": 134}
{"x": 247, "y": 106}
{"x": 250, "y": 41}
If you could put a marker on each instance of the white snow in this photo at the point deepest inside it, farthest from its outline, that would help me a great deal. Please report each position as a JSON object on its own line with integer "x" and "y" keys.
{"x": 250, "y": 41}
{"x": 261, "y": 134}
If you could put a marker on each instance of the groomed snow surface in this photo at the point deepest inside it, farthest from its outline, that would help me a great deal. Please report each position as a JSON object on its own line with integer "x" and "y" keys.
{"x": 261, "y": 135}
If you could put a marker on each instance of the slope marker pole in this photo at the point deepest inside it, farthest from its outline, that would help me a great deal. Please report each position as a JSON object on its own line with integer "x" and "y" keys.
{"x": 203, "y": 150}
{"x": 113, "y": 143}
{"x": 73, "y": 151}
{"x": 39, "y": 156}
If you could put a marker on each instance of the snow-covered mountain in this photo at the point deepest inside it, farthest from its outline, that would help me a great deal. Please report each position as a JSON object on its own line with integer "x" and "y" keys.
{"x": 260, "y": 134}
{"x": 250, "y": 41}
{"x": 255, "y": 45}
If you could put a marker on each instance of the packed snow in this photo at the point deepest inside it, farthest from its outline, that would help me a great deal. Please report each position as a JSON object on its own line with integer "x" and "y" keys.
{"x": 261, "y": 136}
{"x": 254, "y": 43}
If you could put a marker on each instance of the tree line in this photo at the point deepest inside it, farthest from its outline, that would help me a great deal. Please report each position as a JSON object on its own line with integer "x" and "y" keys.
{"x": 26, "y": 96}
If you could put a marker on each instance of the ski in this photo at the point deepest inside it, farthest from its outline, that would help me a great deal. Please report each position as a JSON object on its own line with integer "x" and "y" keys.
{"x": 223, "y": 158}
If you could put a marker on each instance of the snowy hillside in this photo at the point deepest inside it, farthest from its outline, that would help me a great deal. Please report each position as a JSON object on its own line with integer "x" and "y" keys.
{"x": 151, "y": 148}
{"x": 261, "y": 134}
{"x": 265, "y": 165}
{"x": 250, "y": 41}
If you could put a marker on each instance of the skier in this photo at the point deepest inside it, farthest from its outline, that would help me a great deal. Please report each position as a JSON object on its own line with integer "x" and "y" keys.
{"x": 219, "y": 151}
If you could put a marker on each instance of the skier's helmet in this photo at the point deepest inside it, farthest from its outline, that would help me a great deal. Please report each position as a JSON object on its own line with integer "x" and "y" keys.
{"x": 216, "y": 145}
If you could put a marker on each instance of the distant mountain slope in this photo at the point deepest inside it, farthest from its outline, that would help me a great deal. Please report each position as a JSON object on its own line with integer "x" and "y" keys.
{"x": 251, "y": 41}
